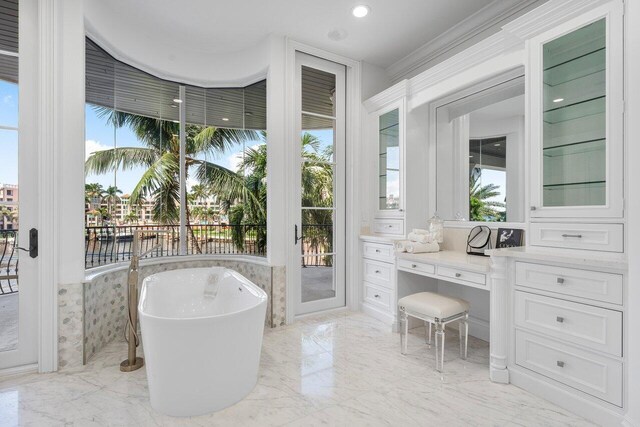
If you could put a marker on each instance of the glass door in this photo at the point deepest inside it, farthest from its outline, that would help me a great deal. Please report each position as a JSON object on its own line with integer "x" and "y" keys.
{"x": 18, "y": 293}
{"x": 389, "y": 161}
{"x": 576, "y": 117}
{"x": 320, "y": 187}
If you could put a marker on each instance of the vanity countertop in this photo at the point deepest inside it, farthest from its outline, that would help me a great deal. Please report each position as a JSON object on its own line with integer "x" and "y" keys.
{"x": 597, "y": 260}
{"x": 451, "y": 258}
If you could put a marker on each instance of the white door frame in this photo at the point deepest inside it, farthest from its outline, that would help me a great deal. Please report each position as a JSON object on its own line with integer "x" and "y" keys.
{"x": 339, "y": 184}
{"x": 352, "y": 165}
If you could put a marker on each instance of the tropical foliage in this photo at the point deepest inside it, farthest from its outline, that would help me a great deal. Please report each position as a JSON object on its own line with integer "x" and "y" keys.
{"x": 481, "y": 207}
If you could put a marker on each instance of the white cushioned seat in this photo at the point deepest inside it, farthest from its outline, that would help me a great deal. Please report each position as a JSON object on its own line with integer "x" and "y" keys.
{"x": 434, "y": 305}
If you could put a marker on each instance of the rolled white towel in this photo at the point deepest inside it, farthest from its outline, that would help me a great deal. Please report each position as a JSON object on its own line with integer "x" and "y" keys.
{"x": 419, "y": 248}
{"x": 420, "y": 238}
{"x": 401, "y": 245}
{"x": 420, "y": 231}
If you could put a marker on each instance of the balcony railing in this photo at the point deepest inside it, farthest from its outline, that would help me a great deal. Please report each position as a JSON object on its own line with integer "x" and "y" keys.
{"x": 8, "y": 262}
{"x": 111, "y": 244}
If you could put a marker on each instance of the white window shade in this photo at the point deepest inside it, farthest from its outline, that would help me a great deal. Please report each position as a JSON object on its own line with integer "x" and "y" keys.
{"x": 113, "y": 84}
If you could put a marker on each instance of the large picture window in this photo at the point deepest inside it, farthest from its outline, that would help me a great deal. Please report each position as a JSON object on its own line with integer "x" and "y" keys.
{"x": 133, "y": 134}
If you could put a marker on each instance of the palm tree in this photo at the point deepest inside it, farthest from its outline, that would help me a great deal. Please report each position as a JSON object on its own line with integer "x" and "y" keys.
{"x": 8, "y": 216}
{"x": 161, "y": 159}
{"x": 111, "y": 197}
{"x": 131, "y": 217}
{"x": 480, "y": 207}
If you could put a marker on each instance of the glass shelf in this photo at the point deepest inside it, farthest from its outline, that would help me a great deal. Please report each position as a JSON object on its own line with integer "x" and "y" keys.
{"x": 567, "y": 184}
{"x": 575, "y": 148}
{"x": 576, "y": 68}
{"x": 588, "y": 107}
{"x": 575, "y": 44}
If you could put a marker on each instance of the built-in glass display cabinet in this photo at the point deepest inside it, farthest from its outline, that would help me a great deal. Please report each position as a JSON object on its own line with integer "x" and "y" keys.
{"x": 576, "y": 119}
{"x": 389, "y": 131}
{"x": 389, "y": 160}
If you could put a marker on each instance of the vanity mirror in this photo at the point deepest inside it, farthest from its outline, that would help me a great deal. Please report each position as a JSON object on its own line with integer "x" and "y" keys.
{"x": 479, "y": 151}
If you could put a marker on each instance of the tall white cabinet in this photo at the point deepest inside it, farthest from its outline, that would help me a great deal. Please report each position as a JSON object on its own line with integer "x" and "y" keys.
{"x": 575, "y": 74}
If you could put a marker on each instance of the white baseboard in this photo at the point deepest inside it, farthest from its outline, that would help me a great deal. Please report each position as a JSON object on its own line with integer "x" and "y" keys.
{"x": 19, "y": 370}
{"x": 572, "y": 400}
{"x": 378, "y": 314}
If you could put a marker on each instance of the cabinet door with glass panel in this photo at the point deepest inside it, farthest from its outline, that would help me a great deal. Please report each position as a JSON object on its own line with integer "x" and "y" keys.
{"x": 390, "y": 151}
{"x": 576, "y": 118}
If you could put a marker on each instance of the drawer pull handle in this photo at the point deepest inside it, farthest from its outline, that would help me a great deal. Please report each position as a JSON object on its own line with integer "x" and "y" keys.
{"x": 377, "y": 271}
{"x": 533, "y": 208}
{"x": 413, "y": 266}
{"x": 377, "y": 251}
{"x": 376, "y": 296}
{"x": 560, "y": 280}
{"x": 391, "y": 226}
{"x": 560, "y": 363}
{"x": 559, "y": 319}
{"x": 577, "y": 236}
{"x": 458, "y": 275}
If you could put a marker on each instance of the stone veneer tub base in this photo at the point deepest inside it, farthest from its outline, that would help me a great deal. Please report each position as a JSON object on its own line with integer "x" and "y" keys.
{"x": 93, "y": 314}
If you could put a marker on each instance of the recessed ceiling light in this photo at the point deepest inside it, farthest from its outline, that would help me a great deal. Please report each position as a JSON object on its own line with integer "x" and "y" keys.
{"x": 176, "y": 121}
{"x": 497, "y": 144}
{"x": 558, "y": 100}
{"x": 360, "y": 11}
{"x": 177, "y": 100}
{"x": 225, "y": 119}
{"x": 471, "y": 156}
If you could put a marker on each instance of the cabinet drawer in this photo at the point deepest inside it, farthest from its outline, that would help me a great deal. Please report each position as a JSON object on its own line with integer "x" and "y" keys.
{"x": 594, "y": 327}
{"x": 595, "y": 237}
{"x": 416, "y": 266}
{"x": 389, "y": 226}
{"x": 592, "y": 285}
{"x": 377, "y": 296}
{"x": 458, "y": 274}
{"x": 592, "y": 373}
{"x": 379, "y": 251}
{"x": 380, "y": 273}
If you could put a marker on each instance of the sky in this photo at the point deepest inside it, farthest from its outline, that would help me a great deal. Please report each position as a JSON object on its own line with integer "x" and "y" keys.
{"x": 8, "y": 138}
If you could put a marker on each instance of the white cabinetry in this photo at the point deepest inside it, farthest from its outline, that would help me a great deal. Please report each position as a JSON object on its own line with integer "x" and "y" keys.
{"x": 576, "y": 128}
{"x": 385, "y": 148}
{"x": 379, "y": 279}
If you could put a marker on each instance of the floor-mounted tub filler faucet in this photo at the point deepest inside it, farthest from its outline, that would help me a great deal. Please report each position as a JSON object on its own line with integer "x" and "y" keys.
{"x": 132, "y": 362}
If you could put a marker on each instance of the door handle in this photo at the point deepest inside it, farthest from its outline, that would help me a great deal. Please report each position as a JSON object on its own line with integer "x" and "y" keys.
{"x": 295, "y": 235}
{"x": 33, "y": 243}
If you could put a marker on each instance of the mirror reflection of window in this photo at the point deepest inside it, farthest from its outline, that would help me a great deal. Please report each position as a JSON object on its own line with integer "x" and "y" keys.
{"x": 488, "y": 179}
{"x": 479, "y": 160}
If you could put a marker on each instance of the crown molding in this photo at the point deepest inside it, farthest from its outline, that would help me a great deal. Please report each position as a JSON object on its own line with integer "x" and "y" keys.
{"x": 547, "y": 16}
{"x": 391, "y": 94}
{"x": 486, "y": 18}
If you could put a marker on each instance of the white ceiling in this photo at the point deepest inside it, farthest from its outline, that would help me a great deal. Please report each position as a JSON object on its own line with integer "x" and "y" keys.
{"x": 391, "y": 31}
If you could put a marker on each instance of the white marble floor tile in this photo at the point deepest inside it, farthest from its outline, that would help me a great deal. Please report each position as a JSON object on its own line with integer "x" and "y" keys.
{"x": 339, "y": 369}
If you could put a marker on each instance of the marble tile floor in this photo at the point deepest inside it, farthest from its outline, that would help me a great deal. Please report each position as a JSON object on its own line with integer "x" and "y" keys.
{"x": 341, "y": 369}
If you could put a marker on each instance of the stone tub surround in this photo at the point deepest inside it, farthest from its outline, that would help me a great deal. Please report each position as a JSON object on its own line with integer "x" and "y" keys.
{"x": 331, "y": 369}
{"x": 93, "y": 314}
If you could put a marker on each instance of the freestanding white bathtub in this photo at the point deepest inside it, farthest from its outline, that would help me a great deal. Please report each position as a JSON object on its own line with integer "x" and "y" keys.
{"x": 202, "y": 352}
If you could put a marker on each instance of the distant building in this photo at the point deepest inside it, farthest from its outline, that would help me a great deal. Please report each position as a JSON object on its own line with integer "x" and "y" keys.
{"x": 9, "y": 197}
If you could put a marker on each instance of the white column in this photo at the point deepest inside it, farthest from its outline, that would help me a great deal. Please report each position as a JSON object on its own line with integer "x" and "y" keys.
{"x": 277, "y": 231}
{"x": 59, "y": 120}
{"x": 499, "y": 304}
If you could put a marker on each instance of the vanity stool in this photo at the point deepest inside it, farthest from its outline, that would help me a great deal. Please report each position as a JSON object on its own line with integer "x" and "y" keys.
{"x": 439, "y": 310}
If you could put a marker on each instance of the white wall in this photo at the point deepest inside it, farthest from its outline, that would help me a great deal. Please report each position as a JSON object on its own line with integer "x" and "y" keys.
{"x": 632, "y": 136}
{"x": 374, "y": 80}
